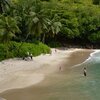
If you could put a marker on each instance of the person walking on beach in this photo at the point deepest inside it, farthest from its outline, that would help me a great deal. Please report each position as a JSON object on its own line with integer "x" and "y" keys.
{"x": 31, "y": 56}
{"x": 55, "y": 50}
{"x": 60, "y": 68}
{"x": 84, "y": 71}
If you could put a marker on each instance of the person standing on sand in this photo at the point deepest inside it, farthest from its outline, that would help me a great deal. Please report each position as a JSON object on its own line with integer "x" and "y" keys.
{"x": 84, "y": 71}
{"x": 31, "y": 56}
{"x": 55, "y": 50}
{"x": 60, "y": 68}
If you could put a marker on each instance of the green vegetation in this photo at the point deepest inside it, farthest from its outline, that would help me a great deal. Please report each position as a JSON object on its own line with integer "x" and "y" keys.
{"x": 13, "y": 49}
{"x": 52, "y": 22}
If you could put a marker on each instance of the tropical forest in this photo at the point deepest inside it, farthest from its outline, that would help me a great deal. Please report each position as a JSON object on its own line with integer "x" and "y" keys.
{"x": 38, "y": 25}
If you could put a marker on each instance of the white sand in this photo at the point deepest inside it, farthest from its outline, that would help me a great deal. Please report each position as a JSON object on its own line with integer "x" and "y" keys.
{"x": 15, "y": 73}
{"x": 2, "y": 98}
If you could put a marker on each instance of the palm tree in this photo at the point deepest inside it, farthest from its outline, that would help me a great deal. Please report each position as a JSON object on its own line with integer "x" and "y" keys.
{"x": 3, "y": 5}
{"x": 8, "y": 28}
{"x": 38, "y": 22}
{"x": 22, "y": 11}
{"x": 55, "y": 25}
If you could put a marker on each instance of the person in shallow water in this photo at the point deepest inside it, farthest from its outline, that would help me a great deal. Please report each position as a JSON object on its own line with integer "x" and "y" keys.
{"x": 85, "y": 72}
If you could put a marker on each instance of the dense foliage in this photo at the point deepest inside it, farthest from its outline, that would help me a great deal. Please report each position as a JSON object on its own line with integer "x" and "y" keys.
{"x": 13, "y": 50}
{"x": 50, "y": 21}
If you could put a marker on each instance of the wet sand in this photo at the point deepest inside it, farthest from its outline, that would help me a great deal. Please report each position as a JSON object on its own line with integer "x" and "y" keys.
{"x": 44, "y": 89}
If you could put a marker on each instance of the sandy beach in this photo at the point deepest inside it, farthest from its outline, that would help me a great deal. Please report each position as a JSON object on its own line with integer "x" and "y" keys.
{"x": 17, "y": 73}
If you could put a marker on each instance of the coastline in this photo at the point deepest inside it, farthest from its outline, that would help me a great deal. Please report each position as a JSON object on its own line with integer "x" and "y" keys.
{"x": 43, "y": 65}
{"x": 85, "y": 56}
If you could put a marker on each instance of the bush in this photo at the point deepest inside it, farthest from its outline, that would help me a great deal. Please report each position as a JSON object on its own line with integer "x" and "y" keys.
{"x": 14, "y": 49}
{"x": 2, "y": 51}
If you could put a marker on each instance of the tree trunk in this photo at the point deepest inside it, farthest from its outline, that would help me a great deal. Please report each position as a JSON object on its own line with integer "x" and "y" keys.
{"x": 1, "y": 11}
{"x": 43, "y": 38}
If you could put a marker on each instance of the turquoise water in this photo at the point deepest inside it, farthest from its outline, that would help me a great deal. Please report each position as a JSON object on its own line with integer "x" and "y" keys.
{"x": 89, "y": 87}
{"x": 65, "y": 85}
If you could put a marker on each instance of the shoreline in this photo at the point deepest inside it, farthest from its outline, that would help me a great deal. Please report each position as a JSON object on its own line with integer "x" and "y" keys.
{"x": 37, "y": 74}
{"x": 84, "y": 61}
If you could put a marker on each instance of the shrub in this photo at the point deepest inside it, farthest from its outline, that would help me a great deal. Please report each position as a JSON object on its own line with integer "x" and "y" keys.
{"x": 20, "y": 49}
{"x": 2, "y": 51}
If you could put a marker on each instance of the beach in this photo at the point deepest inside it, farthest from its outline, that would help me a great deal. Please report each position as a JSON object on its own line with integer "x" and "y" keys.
{"x": 20, "y": 74}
